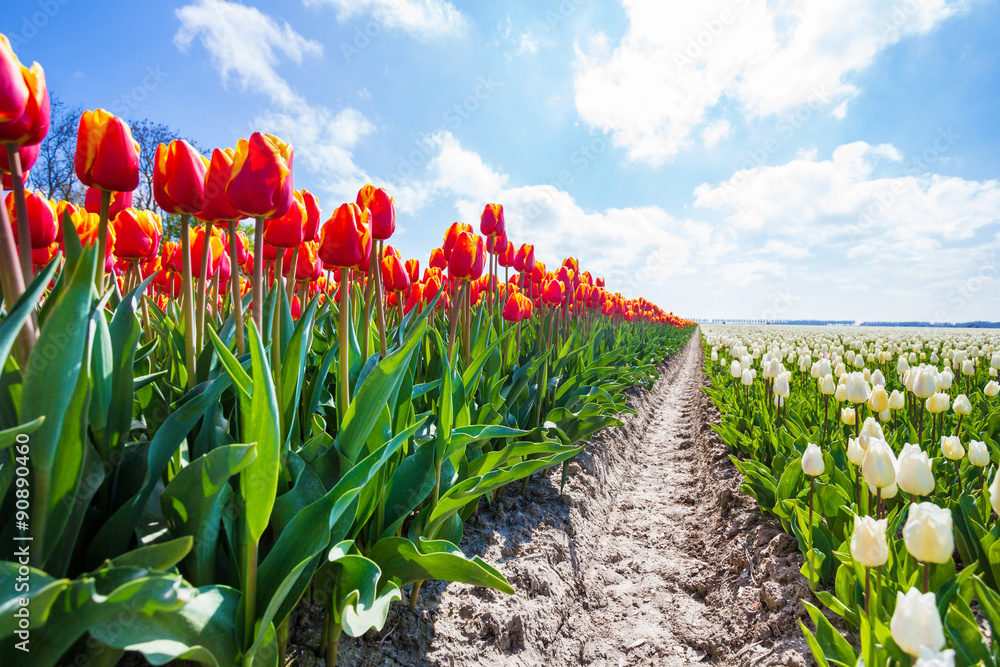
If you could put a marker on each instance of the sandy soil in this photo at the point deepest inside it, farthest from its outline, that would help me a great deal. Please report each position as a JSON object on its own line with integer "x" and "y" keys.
{"x": 651, "y": 556}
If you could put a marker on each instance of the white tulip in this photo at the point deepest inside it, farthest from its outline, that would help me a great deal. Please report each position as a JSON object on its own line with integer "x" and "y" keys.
{"x": 951, "y": 447}
{"x": 879, "y": 464}
{"x": 928, "y": 533}
{"x": 812, "y": 461}
{"x": 979, "y": 454}
{"x": 915, "y": 474}
{"x": 868, "y": 543}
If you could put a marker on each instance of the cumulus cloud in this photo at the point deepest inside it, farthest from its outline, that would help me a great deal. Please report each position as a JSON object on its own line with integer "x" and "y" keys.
{"x": 679, "y": 61}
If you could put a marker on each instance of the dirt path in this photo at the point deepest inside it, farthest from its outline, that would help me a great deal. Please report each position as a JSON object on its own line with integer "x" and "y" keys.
{"x": 652, "y": 556}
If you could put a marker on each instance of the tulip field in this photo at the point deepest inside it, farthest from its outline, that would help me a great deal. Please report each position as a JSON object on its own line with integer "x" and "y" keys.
{"x": 878, "y": 449}
{"x": 197, "y": 434}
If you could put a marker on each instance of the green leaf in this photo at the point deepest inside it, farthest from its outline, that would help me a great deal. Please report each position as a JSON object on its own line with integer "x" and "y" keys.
{"x": 201, "y": 631}
{"x": 160, "y": 557}
{"x": 259, "y": 480}
{"x": 364, "y": 410}
{"x": 193, "y": 501}
{"x": 402, "y": 563}
{"x": 19, "y": 313}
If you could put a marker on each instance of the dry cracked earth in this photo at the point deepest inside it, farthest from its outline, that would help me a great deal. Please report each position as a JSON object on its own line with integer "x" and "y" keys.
{"x": 650, "y": 556}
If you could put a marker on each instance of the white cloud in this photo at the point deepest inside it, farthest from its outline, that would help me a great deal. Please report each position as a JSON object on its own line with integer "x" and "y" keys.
{"x": 678, "y": 61}
{"x": 322, "y": 139}
{"x": 424, "y": 19}
{"x": 245, "y": 44}
{"x": 715, "y": 131}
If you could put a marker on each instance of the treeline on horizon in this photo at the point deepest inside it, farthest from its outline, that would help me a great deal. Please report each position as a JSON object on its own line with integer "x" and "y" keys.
{"x": 978, "y": 324}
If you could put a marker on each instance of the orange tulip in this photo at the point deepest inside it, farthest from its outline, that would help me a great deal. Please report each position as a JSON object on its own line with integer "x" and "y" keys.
{"x": 41, "y": 219}
{"x": 179, "y": 178}
{"x": 346, "y": 239}
{"x": 242, "y": 247}
{"x": 413, "y": 269}
{"x": 382, "y": 208}
{"x": 119, "y": 201}
{"x": 42, "y": 256}
{"x": 415, "y": 298}
{"x": 87, "y": 226}
{"x": 394, "y": 274}
{"x": 288, "y": 230}
{"x": 438, "y": 260}
{"x": 261, "y": 180}
{"x": 217, "y": 250}
{"x": 14, "y": 91}
{"x": 463, "y": 257}
{"x": 24, "y": 100}
{"x": 524, "y": 260}
{"x": 314, "y": 216}
{"x": 137, "y": 234}
{"x": 553, "y": 292}
{"x": 491, "y": 222}
{"x": 217, "y": 208}
{"x": 451, "y": 237}
{"x": 107, "y": 156}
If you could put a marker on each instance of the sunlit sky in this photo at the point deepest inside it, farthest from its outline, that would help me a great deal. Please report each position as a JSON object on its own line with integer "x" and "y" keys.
{"x": 734, "y": 158}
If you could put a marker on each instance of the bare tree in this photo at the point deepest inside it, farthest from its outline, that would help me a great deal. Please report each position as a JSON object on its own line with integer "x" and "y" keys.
{"x": 53, "y": 171}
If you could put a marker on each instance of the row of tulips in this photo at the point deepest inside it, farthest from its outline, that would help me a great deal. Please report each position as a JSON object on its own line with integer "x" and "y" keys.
{"x": 197, "y": 435}
{"x": 875, "y": 449}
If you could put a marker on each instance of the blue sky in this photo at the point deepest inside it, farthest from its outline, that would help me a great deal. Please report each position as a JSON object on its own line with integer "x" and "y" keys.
{"x": 735, "y": 158}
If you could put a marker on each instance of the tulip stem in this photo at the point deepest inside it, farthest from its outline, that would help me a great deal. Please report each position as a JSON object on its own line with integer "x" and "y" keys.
{"x": 12, "y": 284}
{"x": 927, "y": 577}
{"x": 206, "y": 245}
{"x": 23, "y": 224}
{"x": 188, "y": 292}
{"x": 258, "y": 273}
{"x": 868, "y": 591}
{"x": 345, "y": 313}
{"x": 379, "y": 301}
{"x": 234, "y": 288}
{"x": 290, "y": 283}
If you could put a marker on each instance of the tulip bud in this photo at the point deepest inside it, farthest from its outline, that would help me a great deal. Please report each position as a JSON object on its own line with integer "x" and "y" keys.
{"x": 928, "y": 533}
{"x": 781, "y": 387}
{"x": 345, "y": 240}
{"x": 747, "y": 378}
{"x": 855, "y": 451}
{"x": 260, "y": 182}
{"x": 962, "y": 406}
{"x": 896, "y": 401}
{"x": 841, "y": 393}
{"x": 879, "y": 464}
{"x": 916, "y": 623}
{"x": 827, "y": 385}
{"x": 979, "y": 454}
{"x": 938, "y": 403}
{"x": 902, "y": 366}
{"x": 923, "y": 383}
{"x": 382, "y": 208}
{"x": 968, "y": 367}
{"x": 991, "y": 389}
{"x": 137, "y": 233}
{"x": 879, "y": 400}
{"x": 878, "y": 379}
{"x": 931, "y": 658}
{"x": 915, "y": 474}
{"x": 951, "y": 447}
{"x": 995, "y": 492}
{"x": 107, "y": 156}
{"x": 812, "y": 461}
{"x": 868, "y": 543}
{"x": 736, "y": 371}
{"x": 848, "y": 417}
{"x": 870, "y": 430}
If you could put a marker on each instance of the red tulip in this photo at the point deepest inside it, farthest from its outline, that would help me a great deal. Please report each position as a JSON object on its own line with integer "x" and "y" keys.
{"x": 217, "y": 249}
{"x": 179, "y": 178}
{"x": 261, "y": 180}
{"x": 346, "y": 239}
{"x": 413, "y": 269}
{"x": 464, "y": 256}
{"x": 137, "y": 234}
{"x": 382, "y": 208}
{"x": 41, "y": 219}
{"x": 524, "y": 260}
{"x": 553, "y": 292}
{"x": 313, "y": 216}
{"x": 216, "y": 207}
{"x": 415, "y": 299}
{"x": 42, "y": 256}
{"x": 451, "y": 236}
{"x": 394, "y": 274}
{"x": 24, "y": 100}
{"x": 288, "y": 230}
{"x": 491, "y": 221}
{"x": 242, "y": 247}
{"x": 438, "y": 260}
{"x": 119, "y": 202}
{"x": 28, "y": 155}
{"x": 107, "y": 157}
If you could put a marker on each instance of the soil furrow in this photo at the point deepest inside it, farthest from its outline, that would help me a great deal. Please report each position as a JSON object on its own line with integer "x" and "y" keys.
{"x": 650, "y": 556}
